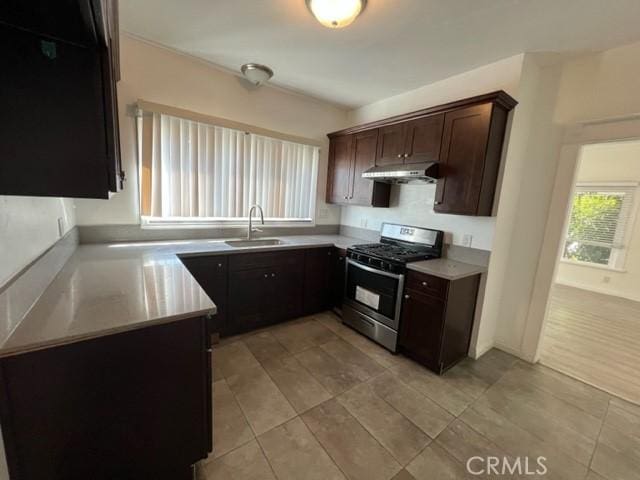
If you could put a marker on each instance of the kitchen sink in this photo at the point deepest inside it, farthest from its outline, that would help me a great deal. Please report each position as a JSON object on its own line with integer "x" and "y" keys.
{"x": 259, "y": 242}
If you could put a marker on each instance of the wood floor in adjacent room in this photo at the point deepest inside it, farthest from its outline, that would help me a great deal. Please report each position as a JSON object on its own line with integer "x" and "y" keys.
{"x": 313, "y": 400}
{"x": 594, "y": 338}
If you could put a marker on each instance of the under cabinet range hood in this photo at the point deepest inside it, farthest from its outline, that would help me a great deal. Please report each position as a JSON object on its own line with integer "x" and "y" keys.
{"x": 426, "y": 172}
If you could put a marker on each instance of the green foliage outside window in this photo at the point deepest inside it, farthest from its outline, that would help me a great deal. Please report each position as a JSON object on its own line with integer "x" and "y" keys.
{"x": 592, "y": 227}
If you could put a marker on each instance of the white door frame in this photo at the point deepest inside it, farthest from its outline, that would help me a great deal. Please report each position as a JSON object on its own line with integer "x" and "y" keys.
{"x": 576, "y": 136}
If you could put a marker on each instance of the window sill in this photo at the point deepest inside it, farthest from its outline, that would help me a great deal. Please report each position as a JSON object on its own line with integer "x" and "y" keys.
{"x": 147, "y": 224}
{"x": 592, "y": 265}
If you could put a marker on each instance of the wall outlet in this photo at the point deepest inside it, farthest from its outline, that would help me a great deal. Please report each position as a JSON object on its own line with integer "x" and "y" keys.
{"x": 60, "y": 227}
{"x": 467, "y": 239}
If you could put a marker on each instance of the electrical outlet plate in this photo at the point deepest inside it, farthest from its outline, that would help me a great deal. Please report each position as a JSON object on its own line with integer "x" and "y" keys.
{"x": 60, "y": 227}
{"x": 467, "y": 239}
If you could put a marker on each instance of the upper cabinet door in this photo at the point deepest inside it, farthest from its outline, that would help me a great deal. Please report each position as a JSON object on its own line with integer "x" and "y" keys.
{"x": 391, "y": 144}
{"x": 462, "y": 160}
{"x": 423, "y": 138}
{"x": 339, "y": 178}
{"x": 364, "y": 153}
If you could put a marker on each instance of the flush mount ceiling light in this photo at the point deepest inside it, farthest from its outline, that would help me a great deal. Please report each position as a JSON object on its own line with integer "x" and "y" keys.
{"x": 336, "y": 13}
{"x": 256, "y": 73}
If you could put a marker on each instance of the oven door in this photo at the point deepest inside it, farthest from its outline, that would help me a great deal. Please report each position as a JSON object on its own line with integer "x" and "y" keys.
{"x": 374, "y": 292}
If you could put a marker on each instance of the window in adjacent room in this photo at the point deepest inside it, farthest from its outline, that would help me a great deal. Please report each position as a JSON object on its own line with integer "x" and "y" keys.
{"x": 197, "y": 173}
{"x": 598, "y": 225}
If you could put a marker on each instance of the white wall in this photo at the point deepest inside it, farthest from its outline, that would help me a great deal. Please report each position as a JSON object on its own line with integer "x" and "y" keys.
{"x": 593, "y": 88}
{"x": 609, "y": 162}
{"x": 163, "y": 76}
{"x": 413, "y": 204}
{"x": 28, "y": 227}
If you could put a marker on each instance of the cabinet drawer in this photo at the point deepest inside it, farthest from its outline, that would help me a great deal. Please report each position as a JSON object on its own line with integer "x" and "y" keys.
{"x": 423, "y": 283}
{"x": 247, "y": 261}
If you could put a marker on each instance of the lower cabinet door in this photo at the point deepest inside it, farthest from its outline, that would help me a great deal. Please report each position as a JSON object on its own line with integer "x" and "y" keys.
{"x": 285, "y": 291}
{"x": 421, "y": 328}
{"x": 318, "y": 272}
{"x": 249, "y": 302}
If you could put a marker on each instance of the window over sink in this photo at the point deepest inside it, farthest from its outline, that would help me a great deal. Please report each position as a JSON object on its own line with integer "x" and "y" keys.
{"x": 194, "y": 173}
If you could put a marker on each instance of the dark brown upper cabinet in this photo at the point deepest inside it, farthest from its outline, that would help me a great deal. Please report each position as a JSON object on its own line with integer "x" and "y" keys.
{"x": 422, "y": 139}
{"x": 349, "y": 157}
{"x": 391, "y": 144}
{"x": 59, "y": 114}
{"x": 465, "y": 138}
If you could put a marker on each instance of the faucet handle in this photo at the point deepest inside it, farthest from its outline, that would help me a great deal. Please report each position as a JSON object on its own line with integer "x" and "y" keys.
{"x": 255, "y": 229}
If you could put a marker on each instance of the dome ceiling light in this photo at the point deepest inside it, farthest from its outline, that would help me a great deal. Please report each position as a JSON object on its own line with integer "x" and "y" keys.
{"x": 336, "y": 13}
{"x": 256, "y": 73}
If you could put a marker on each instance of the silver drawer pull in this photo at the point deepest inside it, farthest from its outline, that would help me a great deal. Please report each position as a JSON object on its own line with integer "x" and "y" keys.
{"x": 425, "y": 284}
{"x": 407, "y": 296}
{"x": 219, "y": 265}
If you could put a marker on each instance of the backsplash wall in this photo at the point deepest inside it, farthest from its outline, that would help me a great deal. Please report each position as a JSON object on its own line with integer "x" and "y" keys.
{"x": 413, "y": 205}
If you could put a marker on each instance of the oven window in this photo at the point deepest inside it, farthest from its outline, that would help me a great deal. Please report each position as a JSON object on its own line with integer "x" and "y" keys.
{"x": 374, "y": 291}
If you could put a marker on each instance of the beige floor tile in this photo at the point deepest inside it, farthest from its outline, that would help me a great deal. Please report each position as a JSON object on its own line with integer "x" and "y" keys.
{"x": 332, "y": 374}
{"x": 303, "y": 334}
{"x": 542, "y": 423}
{"x": 295, "y": 454}
{"x": 628, "y": 446}
{"x": 624, "y": 416}
{"x": 452, "y": 399}
{"x": 466, "y": 380}
{"x": 381, "y": 355}
{"x": 296, "y": 383}
{"x": 394, "y": 432}
{"x": 581, "y": 395}
{"x": 261, "y": 401}
{"x": 244, "y": 463}
{"x": 265, "y": 347}
{"x": 404, "y": 475}
{"x": 594, "y": 476}
{"x": 230, "y": 427}
{"x": 423, "y": 412}
{"x": 518, "y": 442}
{"x": 233, "y": 358}
{"x": 362, "y": 365}
{"x": 548, "y": 405}
{"x": 354, "y": 450}
{"x": 614, "y": 465}
{"x": 463, "y": 442}
{"x": 435, "y": 463}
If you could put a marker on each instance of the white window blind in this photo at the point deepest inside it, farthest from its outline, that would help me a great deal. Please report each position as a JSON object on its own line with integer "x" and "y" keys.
{"x": 196, "y": 172}
{"x": 598, "y": 225}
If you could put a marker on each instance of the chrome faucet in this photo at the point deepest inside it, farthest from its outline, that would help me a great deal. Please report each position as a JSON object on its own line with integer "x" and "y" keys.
{"x": 252, "y": 229}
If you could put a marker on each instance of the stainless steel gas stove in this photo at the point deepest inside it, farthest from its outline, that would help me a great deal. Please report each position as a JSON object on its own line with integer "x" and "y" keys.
{"x": 375, "y": 279}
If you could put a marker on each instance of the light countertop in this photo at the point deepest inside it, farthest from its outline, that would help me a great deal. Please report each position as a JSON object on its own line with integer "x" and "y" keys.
{"x": 446, "y": 268}
{"x": 111, "y": 288}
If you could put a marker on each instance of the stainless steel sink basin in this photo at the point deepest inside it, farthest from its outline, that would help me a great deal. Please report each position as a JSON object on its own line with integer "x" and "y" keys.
{"x": 259, "y": 242}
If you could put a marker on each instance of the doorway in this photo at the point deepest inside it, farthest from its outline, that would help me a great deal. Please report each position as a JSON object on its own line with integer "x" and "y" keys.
{"x": 592, "y": 329}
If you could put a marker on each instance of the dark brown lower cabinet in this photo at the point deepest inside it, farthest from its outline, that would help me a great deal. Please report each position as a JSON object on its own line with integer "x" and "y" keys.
{"x": 318, "y": 275}
{"x": 253, "y": 290}
{"x": 210, "y": 271}
{"x": 437, "y": 319}
{"x": 125, "y": 406}
{"x": 339, "y": 269}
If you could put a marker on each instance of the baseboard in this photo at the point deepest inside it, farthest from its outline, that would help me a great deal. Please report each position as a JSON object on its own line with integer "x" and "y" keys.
{"x": 602, "y": 291}
{"x": 513, "y": 351}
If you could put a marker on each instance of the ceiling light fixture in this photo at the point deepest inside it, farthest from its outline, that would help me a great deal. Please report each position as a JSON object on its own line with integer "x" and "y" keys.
{"x": 336, "y": 13}
{"x": 256, "y": 73}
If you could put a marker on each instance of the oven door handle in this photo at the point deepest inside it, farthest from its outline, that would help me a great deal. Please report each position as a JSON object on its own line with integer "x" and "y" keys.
{"x": 374, "y": 270}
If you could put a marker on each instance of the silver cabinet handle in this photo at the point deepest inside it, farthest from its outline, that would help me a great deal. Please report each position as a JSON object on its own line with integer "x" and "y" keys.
{"x": 273, "y": 275}
{"x": 425, "y": 284}
{"x": 406, "y": 155}
{"x": 407, "y": 296}
{"x": 266, "y": 275}
{"x": 399, "y": 155}
{"x": 219, "y": 265}
{"x": 437, "y": 203}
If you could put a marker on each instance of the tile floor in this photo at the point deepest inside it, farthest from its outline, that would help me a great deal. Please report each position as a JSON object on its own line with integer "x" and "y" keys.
{"x": 312, "y": 399}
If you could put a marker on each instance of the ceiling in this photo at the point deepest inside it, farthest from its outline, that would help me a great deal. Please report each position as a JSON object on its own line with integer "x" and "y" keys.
{"x": 393, "y": 47}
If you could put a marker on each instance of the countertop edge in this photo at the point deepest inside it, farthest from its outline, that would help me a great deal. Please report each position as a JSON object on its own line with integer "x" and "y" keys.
{"x": 35, "y": 347}
{"x": 421, "y": 268}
